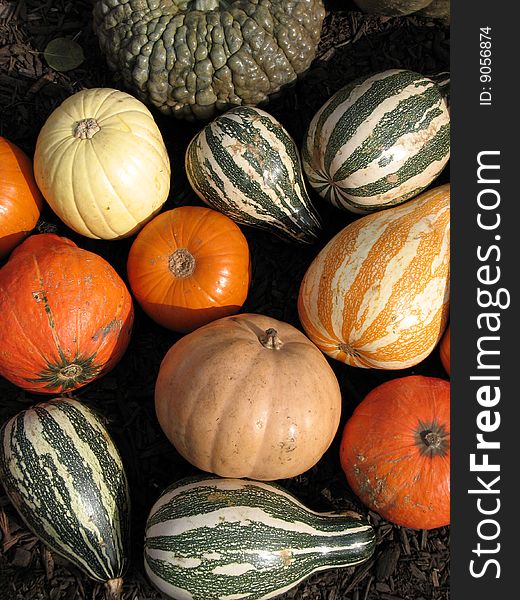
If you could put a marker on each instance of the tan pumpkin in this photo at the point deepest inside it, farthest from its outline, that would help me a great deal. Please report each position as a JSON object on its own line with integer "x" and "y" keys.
{"x": 377, "y": 295}
{"x": 101, "y": 163}
{"x": 248, "y": 396}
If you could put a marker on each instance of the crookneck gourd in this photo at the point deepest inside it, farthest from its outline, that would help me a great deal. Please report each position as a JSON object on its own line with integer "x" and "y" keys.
{"x": 193, "y": 58}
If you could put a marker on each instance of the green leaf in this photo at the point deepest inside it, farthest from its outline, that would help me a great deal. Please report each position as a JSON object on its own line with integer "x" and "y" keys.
{"x": 63, "y": 54}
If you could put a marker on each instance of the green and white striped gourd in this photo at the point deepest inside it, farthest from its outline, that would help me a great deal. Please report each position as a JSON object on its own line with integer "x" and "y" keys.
{"x": 378, "y": 142}
{"x": 216, "y": 539}
{"x": 246, "y": 165}
{"x": 64, "y": 475}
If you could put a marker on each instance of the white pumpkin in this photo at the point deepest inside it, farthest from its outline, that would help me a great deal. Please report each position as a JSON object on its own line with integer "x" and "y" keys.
{"x": 101, "y": 163}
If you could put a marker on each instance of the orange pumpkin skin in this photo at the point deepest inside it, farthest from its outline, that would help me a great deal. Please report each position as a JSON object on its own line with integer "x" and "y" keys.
{"x": 444, "y": 350}
{"x": 20, "y": 199}
{"x": 248, "y": 396}
{"x": 189, "y": 266}
{"x": 65, "y": 316}
{"x": 395, "y": 451}
{"x": 377, "y": 295}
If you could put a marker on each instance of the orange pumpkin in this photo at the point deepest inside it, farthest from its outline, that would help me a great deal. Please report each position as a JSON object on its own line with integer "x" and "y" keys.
{"x": 395, "y": 451}
{"x": 20, "y": 198}
{"x": 189, "y": 266}
{"x": 65, "y": 315}
{"x": 248, "y": 396}
{"x": 444, "y": 350}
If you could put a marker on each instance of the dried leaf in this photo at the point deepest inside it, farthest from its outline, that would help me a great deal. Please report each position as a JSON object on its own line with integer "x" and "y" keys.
{"x": 63, "y": 54}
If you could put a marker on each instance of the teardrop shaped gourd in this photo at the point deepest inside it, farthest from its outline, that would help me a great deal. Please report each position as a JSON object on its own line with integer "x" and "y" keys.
{"x": 64, "y": 475}
{"x": 377, "y": 142}
{"x": 377, "y": 295}
{"x": 245, "y": 164}
{"x": 101, "y": 163}
{"x": 212, "y": 539}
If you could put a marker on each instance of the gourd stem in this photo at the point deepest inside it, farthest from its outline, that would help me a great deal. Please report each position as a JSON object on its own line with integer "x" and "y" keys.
{"x": 271, "y": 340}
{"x": 86, "y": 129}
{"x": 181, "y": 263}
{"x": 114, "y": 588}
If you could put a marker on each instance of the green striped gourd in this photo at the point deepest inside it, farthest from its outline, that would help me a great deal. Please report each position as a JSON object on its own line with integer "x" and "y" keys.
{"x": 210, "y": 538}
{"x": 245, "y": 164}
{"x": 379, "y": 141}
{"x": 64, "y": 475}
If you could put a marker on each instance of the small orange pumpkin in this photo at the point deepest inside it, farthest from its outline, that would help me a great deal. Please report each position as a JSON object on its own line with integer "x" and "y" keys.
{"x": 65, "y": 315}
{"x": 20, "y": 198}
{"x": 248, "y": 396}
{"x": 395, "y": 451}
{"x": 189, "y": 266}
{"x": 444, "y": 350}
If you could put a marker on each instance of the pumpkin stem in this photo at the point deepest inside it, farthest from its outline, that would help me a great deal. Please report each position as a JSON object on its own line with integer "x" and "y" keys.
{"x": 271, "y": 340}
{"x": 86, "y": 129}
{"x": 114, "y": 588}
{"x": 181, "y": 263}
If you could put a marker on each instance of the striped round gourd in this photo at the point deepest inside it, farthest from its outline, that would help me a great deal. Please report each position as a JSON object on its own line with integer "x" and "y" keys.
{"x": 378, "y": 141}
{"x": 377, "y": 295}
{"x": 211, "y": 538}
{"x": 64, "y": 475}
{"x": 245, "y": 164}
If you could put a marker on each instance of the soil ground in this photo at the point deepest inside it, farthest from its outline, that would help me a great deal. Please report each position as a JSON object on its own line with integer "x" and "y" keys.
{"x": 407, "y": 564}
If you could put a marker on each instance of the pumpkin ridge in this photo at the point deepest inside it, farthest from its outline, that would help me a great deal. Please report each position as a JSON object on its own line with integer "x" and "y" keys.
{"x": 41, "y": 296}
{"x": 116, "y": 196}
{"x": 72, "y": 181}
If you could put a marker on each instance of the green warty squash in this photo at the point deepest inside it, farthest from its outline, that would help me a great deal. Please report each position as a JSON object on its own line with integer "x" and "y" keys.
{"x": 191, "y": 58}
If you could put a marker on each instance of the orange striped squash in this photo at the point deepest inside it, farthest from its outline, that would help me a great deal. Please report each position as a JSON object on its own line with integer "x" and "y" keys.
{"x": 377, "y": 295}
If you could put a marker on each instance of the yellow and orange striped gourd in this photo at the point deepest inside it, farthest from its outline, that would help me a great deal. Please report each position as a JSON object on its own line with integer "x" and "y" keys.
{"x": 377, "y": 295}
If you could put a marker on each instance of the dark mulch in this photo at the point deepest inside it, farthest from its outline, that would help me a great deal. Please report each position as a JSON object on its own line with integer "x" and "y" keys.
{"x": 407, "y": 565}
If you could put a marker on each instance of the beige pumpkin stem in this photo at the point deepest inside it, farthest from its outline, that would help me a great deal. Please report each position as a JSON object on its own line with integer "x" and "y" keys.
{"x": 86, "y": 129}
{"x": 181, "y": 263}
{"x": 270, "y": 339}
{"x": 114, "y": 588}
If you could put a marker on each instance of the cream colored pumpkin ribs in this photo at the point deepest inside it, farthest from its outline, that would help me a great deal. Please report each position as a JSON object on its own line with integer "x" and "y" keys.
{"x": 101, "y": 163}
{"x": 377, "y": 295}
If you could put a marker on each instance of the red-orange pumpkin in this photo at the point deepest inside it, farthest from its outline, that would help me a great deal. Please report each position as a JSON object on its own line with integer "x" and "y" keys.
{"x": 20, "y": 198}
{"x": 395, "y": 451}
{"x": 189, "y": 266}
{"x": 444, "y": 350}
{"x": 65, "y": 315}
